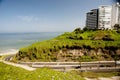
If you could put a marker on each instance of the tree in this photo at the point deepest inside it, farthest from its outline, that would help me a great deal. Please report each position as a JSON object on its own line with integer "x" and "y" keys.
{"x": 85, "y": 29}
{"x": 117, "y": 26}
{"x": 78, "y": 30}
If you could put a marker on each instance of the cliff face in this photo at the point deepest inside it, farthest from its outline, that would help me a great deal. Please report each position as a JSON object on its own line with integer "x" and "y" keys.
{"x": 87, "y": 55}
{"x": 66, "y": 55}
{"x": 75, "y": 46}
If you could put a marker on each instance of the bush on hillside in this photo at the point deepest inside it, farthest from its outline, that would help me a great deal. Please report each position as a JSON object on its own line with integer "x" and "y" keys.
{"x": 78, "y": 30}
{"x": 107, "y": 38}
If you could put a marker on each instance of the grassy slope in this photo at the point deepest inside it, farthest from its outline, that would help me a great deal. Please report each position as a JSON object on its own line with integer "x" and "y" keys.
{"x": 8, "y": 72}
{"x": 47, "y": 50}
{"x": 95, "y": 74}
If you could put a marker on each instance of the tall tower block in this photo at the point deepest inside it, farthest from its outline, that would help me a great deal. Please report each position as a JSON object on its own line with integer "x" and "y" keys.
{"x": 115, "y": 14}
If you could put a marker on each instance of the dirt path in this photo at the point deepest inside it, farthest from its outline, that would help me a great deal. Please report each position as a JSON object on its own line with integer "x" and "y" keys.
{"x": 19, "y": 65}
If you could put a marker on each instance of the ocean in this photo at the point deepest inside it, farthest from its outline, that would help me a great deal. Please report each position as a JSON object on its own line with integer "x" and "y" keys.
{"x": 11, "y": 42}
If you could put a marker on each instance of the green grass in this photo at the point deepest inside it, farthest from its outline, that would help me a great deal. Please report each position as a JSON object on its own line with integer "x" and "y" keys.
{"x": 95, "y": 74}
{"x": 8, "y": 72}
{"x": 48, "y": 50}
{"x": 0, "y": 57}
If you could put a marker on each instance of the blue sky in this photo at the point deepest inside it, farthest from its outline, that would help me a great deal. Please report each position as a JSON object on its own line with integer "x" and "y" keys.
{"x": 45, "y": 15}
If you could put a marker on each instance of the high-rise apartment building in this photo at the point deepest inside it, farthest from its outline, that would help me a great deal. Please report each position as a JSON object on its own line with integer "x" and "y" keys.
{"x": 115, "y": 14}
{"x": 92, "y": 19}
{"x": 104, "y": 19}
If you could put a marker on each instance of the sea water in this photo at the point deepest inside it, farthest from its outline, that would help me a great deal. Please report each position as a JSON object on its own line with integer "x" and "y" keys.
{"x": 11, "y": 42}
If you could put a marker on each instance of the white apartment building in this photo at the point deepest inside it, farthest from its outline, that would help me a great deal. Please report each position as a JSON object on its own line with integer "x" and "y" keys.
{"x": 115, "y": 14}
{"x": 104, "y": 17}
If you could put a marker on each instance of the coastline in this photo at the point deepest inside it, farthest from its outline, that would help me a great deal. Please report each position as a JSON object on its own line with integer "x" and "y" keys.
{"x": 13, "y": 51}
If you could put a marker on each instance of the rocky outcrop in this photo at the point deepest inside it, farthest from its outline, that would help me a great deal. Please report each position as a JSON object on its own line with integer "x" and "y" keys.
{"x": 75, "y": 54}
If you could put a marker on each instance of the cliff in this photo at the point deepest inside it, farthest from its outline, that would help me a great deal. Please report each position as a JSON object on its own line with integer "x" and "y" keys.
{"x": 78, "y": 45}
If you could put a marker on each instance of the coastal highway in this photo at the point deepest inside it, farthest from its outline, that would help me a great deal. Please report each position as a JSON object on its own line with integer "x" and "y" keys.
{"x": 8, "y": 58}
{"x": 82, "y": 66}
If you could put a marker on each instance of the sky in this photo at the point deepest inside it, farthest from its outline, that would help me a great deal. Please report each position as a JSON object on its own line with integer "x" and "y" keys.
{"x": 45, "y": 15}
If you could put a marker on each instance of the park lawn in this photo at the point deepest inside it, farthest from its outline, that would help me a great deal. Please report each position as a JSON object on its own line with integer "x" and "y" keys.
{"x": 95, "y": 74}
{"x": 8, "y": 72}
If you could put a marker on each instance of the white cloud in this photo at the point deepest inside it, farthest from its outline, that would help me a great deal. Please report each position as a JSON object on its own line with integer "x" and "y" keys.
{"x": 28, "y": 18}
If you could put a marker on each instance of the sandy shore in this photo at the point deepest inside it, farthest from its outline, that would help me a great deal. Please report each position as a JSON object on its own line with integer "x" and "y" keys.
{"x": 10, "y": 52}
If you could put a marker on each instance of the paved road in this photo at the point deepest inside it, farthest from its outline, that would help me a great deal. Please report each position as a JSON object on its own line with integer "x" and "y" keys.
{"x": 8, "y": 58}
{"x": 83, "y": 66}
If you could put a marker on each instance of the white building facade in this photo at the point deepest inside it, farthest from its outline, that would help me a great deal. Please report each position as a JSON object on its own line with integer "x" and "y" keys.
{"x": 104, "y": 17}
{"x": 115, "y": 14}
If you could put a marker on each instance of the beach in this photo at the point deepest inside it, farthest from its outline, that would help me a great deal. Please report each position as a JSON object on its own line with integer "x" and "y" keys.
{"x": 10, "y": 43}
{"x": 9, "y": 52}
